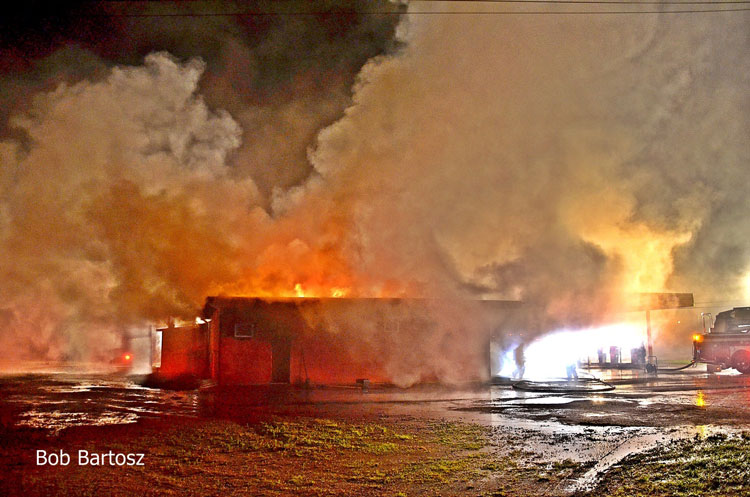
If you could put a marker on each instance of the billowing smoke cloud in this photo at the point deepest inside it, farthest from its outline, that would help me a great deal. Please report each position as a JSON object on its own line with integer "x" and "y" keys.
{"x": 563, "y": 161}
{"x": 125, "y": 197}
{"x": 111, "y": 215}
{"x": 282, "y": 77}
{"x": 560, "y": 161}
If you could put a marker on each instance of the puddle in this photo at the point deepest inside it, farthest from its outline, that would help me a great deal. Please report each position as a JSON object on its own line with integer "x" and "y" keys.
{"x": 56, "y": 402}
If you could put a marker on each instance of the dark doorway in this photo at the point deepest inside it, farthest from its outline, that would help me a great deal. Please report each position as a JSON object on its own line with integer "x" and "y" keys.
{"x": 281, "y": 351}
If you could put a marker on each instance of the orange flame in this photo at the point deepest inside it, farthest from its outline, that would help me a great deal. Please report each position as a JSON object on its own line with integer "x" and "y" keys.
{"x": 311, "y": 259}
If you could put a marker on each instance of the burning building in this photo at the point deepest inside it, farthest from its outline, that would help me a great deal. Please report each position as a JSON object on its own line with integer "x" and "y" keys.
{"x": 241, "y": 340}
{"x": 141, "y": 176}
{"x": 250, "y": 340}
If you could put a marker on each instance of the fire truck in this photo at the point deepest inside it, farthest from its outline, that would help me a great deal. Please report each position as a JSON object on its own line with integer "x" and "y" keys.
{"x": 726, "y": 344}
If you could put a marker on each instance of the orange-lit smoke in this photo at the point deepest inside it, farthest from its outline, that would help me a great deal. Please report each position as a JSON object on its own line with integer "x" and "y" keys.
{"x": 559, "y": 161}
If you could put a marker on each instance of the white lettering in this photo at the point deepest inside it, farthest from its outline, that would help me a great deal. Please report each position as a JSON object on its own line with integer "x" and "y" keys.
{"x": 86, "y": 458}
{"x": 52, "y": 459}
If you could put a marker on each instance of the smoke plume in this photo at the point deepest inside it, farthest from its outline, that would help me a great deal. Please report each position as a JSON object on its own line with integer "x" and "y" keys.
{"x": 567, "y": 163}
{"x": 564, "y": 161}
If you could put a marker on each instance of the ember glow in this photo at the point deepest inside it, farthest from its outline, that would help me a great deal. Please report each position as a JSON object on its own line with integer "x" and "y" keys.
{"x": 319, "y": 292}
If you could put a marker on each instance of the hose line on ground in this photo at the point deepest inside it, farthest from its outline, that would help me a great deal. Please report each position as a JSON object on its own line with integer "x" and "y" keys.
{"x": 579, "y": 385}
{"x": 668, "y": 370}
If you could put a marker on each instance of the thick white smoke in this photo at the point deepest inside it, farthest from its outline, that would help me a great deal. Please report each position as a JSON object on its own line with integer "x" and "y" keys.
{"x": 110, "y": 216}
{"x": 565, "y": 161}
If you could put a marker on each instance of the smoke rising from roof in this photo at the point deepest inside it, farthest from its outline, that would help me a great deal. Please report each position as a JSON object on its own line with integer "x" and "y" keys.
{"x": 565, "y": 161}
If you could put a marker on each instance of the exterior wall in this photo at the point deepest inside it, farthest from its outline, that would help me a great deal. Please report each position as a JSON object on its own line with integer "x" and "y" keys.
{"x": 244, "y": 361}
{"x": 281, "y": 351}
{"x": 341, "y": 340}
{"x": 323, "y": 359}
{"x": 213, "y": 347}
{"x": 401, "y": 341}
{"x": 332, "y": 341}
{"x": 262, "y": 355}
{"x": 184, "y": 352}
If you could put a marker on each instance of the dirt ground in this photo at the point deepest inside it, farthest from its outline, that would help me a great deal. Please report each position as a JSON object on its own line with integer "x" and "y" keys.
{"x": 685, "y": 434}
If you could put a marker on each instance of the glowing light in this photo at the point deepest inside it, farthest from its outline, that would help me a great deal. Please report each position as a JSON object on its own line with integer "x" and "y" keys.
{"x": 550, "y": 355}
{"x": 127, "y": 357}
{"x": 507, "y": 363}
{"x": 338, "y": 292}
{"x": 645, "y": 254}
{"x": 701, "y": 430}
{"x": 299, "y": 292}
{"x": 697, "y": 338}
{"x": 700, "y": 401}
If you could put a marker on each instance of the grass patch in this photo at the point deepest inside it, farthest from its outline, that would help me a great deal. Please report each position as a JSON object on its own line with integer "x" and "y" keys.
{"x": 716, "y": 466}
{"x": 288, "y": 456}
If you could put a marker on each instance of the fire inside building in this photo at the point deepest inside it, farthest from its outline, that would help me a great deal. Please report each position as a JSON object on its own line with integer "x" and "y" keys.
{"x": 240, "y": 340}
{"x": 243, "y": 340}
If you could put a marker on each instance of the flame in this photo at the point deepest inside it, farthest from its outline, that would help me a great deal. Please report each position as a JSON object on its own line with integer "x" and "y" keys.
{"x": 335, "y": 292}
{"x": 646, "y": 255}
{"x": 605, "y": 218}
{"x": 298, "y": 291}
{"x": 297, "y": 270}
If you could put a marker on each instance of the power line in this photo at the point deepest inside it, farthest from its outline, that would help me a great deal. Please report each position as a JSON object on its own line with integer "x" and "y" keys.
{"x": 444, "y": 12}
{"x": 714, "y": 304}
{"x": 575, "y": 12}
{"x": 595, "y": 2}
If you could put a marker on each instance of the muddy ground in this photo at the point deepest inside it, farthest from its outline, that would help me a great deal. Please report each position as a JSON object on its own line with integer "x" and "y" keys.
{"x": 684, "y": 433}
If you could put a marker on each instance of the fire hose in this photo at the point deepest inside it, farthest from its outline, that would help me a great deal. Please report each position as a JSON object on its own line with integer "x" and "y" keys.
{"x": 579, "y": 385}
{"x": 672, "y": 370}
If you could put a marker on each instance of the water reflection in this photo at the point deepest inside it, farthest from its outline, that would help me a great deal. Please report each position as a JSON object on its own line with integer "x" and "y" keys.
{"x": 701, "y": 431}
{"x": 56, "y": 402}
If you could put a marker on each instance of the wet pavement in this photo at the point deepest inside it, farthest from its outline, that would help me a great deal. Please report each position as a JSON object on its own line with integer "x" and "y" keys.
{"x": 59, "y": 401}
{"x": 599, "y": 428}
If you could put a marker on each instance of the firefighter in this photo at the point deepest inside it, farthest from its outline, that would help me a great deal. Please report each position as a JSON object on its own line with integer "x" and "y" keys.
{"x": 571, "y": 372}
{"x": 601, "y": 356}
{"x": 614, "y": 355}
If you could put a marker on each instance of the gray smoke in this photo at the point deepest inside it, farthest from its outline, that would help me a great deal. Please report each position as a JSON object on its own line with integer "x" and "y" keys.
{"x": 133, "y": 185}
{"x": 564, "y": 161}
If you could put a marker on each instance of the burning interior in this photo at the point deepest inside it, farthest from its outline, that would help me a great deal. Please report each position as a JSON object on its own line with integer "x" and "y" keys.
{"x": 240, "y": 340}
{"x": 248, "y": 340}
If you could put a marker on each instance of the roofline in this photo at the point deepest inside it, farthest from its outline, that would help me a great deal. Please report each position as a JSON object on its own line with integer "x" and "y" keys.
{"x": 217, "y": 302}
